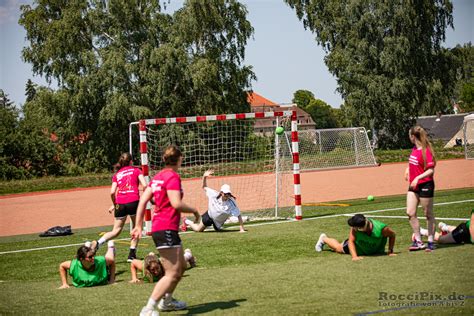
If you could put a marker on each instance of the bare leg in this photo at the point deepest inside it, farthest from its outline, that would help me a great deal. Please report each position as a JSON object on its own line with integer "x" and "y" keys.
{"x": 133, "y": 242}
{"x": 446, "y": 239}
{"x": 118, "y": 226}
{"x": 173, "y": 263}
{"x": 197, "y": 227}
{"x": 333, "y": 244}
{"x": 412, "y": 204}
{"x": 427, "y": 204}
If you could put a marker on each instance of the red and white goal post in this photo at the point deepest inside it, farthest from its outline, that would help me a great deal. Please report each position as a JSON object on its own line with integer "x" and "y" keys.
{"x": 244, "y": 151}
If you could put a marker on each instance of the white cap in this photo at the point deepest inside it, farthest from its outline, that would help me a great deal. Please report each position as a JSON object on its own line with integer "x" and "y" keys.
{"x": 225, "y": 188}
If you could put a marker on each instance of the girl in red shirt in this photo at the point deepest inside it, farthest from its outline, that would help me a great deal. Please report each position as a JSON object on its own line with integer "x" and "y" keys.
{"x": 125, "y": 196}
{"x": 419, "y": 174}
{"x": 168, "y": 194}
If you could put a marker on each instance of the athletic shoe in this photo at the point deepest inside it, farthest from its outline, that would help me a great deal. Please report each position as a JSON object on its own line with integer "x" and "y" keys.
{"x": 320, "y": 244}
{"x": 173, "y": 305}
{"x": 132, "y": 254}
{"x": 417, "y": 245}
{"x": 188, "y": 255}
{"x": 184, "y": 227}
{"x": 430, "y": 247}
{"x": 148, "y": 312}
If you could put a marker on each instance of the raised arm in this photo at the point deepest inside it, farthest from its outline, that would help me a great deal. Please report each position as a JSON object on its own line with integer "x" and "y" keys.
{"x": 388, "y": 232}
{"x": 352, "y": 247}
{"x": 204, "y": 177}
{"x": 63, "y": 267}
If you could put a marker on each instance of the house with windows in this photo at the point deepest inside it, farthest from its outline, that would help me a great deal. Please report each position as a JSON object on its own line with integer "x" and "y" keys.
{"x": 259, "y": 103}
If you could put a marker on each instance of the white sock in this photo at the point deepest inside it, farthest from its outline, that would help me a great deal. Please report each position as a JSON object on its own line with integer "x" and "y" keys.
{"x": 188, "y": 255}
{"x": 111, "y": 244}
{"x": 423, "y": 231}
{"x": 430, "y": 238}
{"x": 133, "y": 248}
{"x": 444, "y": 228}
{"x": 101, "y": 241}
{"x": 168, "y": 297}
{"x": 151, "y": 304}
{"x": 188, "y": 221}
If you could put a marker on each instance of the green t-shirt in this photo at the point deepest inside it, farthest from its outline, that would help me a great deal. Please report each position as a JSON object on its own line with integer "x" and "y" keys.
{"x": 373, "y": 244}
{"x": 83, "y": 278}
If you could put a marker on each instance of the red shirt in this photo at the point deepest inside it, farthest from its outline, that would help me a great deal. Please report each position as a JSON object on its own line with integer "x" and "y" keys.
{"x": 127, "y": 185}
{"x": 416, "y": 164}
{"x": 165, "y": 217}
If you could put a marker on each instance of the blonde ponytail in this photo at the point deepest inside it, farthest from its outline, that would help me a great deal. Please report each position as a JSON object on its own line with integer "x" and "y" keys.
{"x": 422, "y": 136}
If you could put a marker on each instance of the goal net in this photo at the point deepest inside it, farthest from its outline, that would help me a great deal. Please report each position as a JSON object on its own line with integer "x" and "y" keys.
{"x": 468, "y": 135}
{"x": 333, "y": 148}
{"x": 257, "y": 165}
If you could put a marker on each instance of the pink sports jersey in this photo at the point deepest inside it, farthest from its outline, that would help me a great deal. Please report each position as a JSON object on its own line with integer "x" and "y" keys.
{"x": 416, "y": 164}
{"x": 127, "y": 185}
{"x": 165, "y": 216}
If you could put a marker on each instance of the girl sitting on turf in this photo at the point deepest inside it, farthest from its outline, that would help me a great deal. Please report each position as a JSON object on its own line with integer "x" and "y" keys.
{"x": 151, "y": 267}
{"x": 461, "y": 234}
{"x": 367, "y": 237}
{"x": 220, "y": 207}
{"x": 87, "y": 269}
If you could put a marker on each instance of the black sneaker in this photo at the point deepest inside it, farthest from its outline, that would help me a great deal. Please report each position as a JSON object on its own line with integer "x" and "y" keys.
{"x": 132, "y": 254}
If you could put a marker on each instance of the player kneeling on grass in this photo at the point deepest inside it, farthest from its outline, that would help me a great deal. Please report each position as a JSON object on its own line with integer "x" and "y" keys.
{"x": 461, "y": 234}
{"x": 221, "y": 206}
{"x": 87, "y": 269}
{"x": 367, "y": 237}
{"x": 152, "y": 269}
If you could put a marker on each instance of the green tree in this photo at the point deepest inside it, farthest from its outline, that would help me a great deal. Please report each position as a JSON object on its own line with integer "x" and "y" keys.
{"x": 120, "y": 61}
{"x": 322, "y": 114}
{"x": 302, "y": 98}
{"x": 385, "y": 56}
{"x": 30, "y": 90}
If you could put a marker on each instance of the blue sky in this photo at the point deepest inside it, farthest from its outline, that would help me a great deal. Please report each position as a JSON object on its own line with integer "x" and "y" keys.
{"x": 284, "y": 55}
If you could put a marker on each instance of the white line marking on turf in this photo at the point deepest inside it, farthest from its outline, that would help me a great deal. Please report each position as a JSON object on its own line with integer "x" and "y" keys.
{"x": 250, "y": 225}
{"x": 406, "y": 217}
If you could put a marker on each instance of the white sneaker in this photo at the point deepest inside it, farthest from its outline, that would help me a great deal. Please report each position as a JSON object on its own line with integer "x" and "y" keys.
{"x": 149, "y": 312}
{"x": 319, "y": 245}
{"x": 442, "y": 227}
{"x": 173, "y": 305}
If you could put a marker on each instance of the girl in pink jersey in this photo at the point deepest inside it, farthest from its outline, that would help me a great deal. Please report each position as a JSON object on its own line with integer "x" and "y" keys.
{"x": 125, "y": 196}
{"x": 419, "y": 174}
{"x": 168, "y": 193}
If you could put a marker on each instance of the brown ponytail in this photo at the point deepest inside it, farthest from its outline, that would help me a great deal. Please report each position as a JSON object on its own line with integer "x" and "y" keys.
{"x": 420, "y": 134}
{"x": 171, "y": 155}
{"x": 124, "y": 161}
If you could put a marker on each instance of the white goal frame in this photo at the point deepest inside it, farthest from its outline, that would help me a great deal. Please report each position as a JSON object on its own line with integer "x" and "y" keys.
{"x": 290, "y": 115}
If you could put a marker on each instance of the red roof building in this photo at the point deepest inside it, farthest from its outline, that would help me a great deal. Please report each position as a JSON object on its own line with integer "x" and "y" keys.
{"x": 260, "y": 104}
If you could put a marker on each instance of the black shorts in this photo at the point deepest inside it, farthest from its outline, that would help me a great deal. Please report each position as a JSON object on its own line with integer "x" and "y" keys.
{"x": 122, "y": 210}
{"x": 461, "y": 234}
{"x": 207, "y": 221}
{"x": 166, "y": 239}
{"x": 424, "y": 190}
{"x": 345, "y": 247}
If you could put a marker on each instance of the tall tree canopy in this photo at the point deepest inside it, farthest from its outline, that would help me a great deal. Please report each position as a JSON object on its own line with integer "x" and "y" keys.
{"x": 386, "y": 56}
{"x": 322, "y": 114}
{"x": 122, "y": 60}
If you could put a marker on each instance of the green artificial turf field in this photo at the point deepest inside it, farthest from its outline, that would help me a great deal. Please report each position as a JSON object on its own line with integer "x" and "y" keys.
{"x": 272, "y": 269}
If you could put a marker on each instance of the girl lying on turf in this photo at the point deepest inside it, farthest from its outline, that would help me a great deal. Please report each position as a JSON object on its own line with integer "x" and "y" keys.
{"x": 151, "y": 268}
{"x": 367, "y": 237}
{"x": 87, "y": 269}
{"x": 461, "y": 234}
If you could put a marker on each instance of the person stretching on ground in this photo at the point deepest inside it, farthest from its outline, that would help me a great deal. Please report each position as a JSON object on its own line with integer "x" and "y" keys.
{"x": 367, "y": 237}
{"x": 221, "y": 205}
{"x": 87, "y": 269}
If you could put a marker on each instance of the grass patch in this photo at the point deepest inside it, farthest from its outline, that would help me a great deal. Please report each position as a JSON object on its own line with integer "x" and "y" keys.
{"x": 272, "y": 269}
